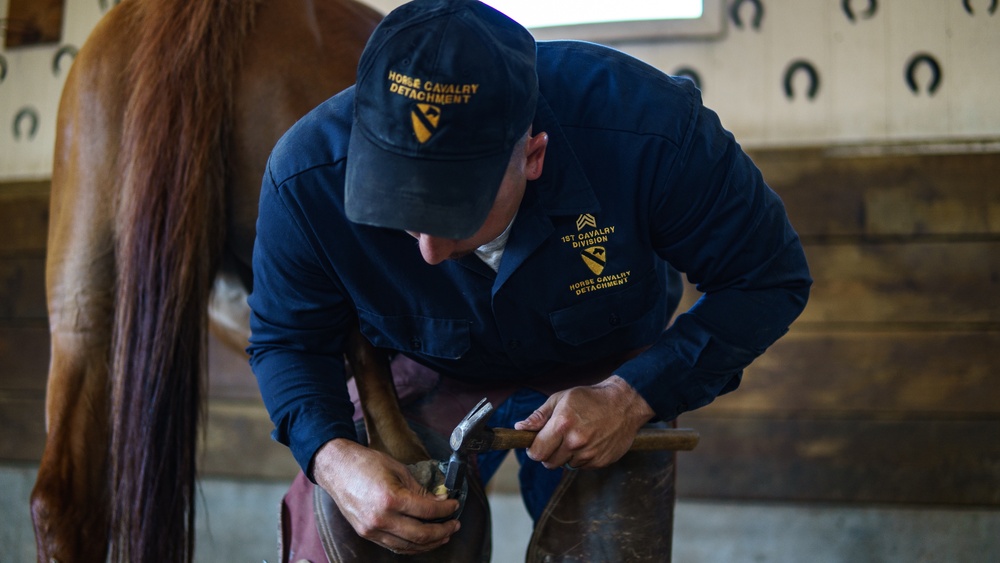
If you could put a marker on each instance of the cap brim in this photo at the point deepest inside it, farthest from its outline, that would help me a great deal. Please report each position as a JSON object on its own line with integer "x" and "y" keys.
{"x": 444, "y": 198}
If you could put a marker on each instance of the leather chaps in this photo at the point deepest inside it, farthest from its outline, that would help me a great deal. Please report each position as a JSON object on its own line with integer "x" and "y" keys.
{"x": 619, "y": 513}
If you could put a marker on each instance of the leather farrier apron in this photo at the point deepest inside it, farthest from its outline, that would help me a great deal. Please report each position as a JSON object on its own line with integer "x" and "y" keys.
{"x": 623, "y": 512}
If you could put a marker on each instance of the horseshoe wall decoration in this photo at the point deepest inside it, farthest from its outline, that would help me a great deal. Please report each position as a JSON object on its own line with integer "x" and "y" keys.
{"x": 689, "y": 73}
{"x": 30, "y": 114}
{"x": 794, "y": 68}
{"x": 867, "y": 14}
{"x": 911, "y": 72}
{"x": 64, "y": 51}
{"x": 3, "y": 68}
{"x": 968, "y": 7}
{"x": 734, "y": 12}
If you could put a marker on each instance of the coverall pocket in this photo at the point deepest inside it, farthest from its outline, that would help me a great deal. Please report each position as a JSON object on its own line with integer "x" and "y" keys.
{"x": 606, "y": 311}
{"x": 440, "y": 338}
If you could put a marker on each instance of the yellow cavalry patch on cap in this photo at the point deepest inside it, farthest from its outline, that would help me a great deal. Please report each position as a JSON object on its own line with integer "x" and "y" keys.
{"x": 430, "y": 96}
{"x": 425, "y": 119}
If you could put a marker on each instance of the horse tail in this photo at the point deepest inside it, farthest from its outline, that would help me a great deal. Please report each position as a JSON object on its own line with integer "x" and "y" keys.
{"x": 170, "y": 231}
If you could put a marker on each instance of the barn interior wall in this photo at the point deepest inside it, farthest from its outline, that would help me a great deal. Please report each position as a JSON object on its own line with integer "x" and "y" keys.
{"x": 861, "y": 62}
{"x": 882, "y": 394}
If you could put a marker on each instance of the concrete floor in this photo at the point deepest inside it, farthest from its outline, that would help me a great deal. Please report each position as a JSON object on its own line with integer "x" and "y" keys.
{"x": 237, "y": 523}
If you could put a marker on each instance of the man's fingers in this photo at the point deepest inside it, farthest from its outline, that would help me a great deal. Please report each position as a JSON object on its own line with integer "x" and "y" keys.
{"x": 405, "y": 529}
{"x": 406, "y": 546}
{"x": 537, "y": 419}
{"x": 416, "y": 508}
{"x": 381, "y": 500}
{"x": 415, "y": 536}
{"x": 427, "y": 507}
{"x": 534, "y": 422}
{"x": 545, "y": 448}
{"x": 565, "y": 458}
{"x": 573, "y": 431}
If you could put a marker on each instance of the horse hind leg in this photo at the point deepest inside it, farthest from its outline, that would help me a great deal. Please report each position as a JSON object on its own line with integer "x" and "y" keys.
{"x": 388, "y": 431}
{"x": 70, "y": 519}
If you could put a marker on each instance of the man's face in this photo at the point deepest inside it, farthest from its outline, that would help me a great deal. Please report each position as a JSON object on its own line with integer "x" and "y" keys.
{"x": 525, "y": 165}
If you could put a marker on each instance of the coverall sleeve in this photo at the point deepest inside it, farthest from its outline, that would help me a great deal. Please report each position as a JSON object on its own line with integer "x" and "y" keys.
{"x": 716, "y": 220}
{"x": 299, "y": 320}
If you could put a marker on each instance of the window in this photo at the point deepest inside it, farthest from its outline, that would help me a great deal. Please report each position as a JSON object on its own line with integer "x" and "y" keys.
{"x": 616, "y": 20}
{"x": 535, "y": 14}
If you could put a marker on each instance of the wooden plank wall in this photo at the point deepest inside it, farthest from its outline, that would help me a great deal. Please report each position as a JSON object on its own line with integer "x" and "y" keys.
{"x": 236, "y": 442}
{"x": 882, "y": 392}
{"x": 24, "y": 339}
{"x": 885, "y": 388}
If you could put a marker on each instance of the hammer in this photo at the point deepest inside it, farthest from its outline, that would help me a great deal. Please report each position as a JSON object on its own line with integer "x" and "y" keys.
{"x": 472, "y": 436}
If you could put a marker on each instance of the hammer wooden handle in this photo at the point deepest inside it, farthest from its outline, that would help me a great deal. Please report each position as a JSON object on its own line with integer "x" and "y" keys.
{"x": 646, "y": 440}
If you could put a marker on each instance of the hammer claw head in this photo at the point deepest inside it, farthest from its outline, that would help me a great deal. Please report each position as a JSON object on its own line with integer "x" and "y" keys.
{"x": 471, "y": 425}
{"x": 467, "y": 432}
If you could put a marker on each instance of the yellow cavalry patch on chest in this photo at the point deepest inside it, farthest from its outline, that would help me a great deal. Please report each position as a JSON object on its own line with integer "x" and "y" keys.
{"x": 595, "y": 259}
{"x": 590, "y": 241}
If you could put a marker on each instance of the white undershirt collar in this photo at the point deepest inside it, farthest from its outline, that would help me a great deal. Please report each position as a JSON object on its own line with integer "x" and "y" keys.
{"x": 492, "y": 252}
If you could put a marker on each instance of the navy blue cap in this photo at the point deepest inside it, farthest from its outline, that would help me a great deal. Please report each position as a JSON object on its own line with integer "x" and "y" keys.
{"x": 445, "y": 90}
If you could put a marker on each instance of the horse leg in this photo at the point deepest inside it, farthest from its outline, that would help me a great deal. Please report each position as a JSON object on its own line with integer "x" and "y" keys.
{"x": 69, "y": 502}
{"x": 388, "y": 431}
{"x": 228, "y": 312}
{"x": 70, "y": 499}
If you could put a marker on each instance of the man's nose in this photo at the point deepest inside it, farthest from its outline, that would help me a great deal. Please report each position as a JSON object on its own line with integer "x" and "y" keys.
{"x": 435, "y": 249}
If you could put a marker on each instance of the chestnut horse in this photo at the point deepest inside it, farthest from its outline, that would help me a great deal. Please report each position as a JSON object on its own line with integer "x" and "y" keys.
{"x": 164, "y": 128}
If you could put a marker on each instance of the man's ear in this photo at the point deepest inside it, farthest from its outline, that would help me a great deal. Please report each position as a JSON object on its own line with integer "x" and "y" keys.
{"x": 535, "y": 155}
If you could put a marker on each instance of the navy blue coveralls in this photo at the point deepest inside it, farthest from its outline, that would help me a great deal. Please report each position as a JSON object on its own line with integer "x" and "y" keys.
{"x": 639, "y": 180}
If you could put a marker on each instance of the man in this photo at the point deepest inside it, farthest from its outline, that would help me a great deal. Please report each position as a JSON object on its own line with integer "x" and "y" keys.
{"x": 506, "y": 216}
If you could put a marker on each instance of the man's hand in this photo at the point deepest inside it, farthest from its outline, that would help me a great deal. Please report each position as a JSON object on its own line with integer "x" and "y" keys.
{"x": 587, "y": 426}
{"x": 381, "y": 500}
